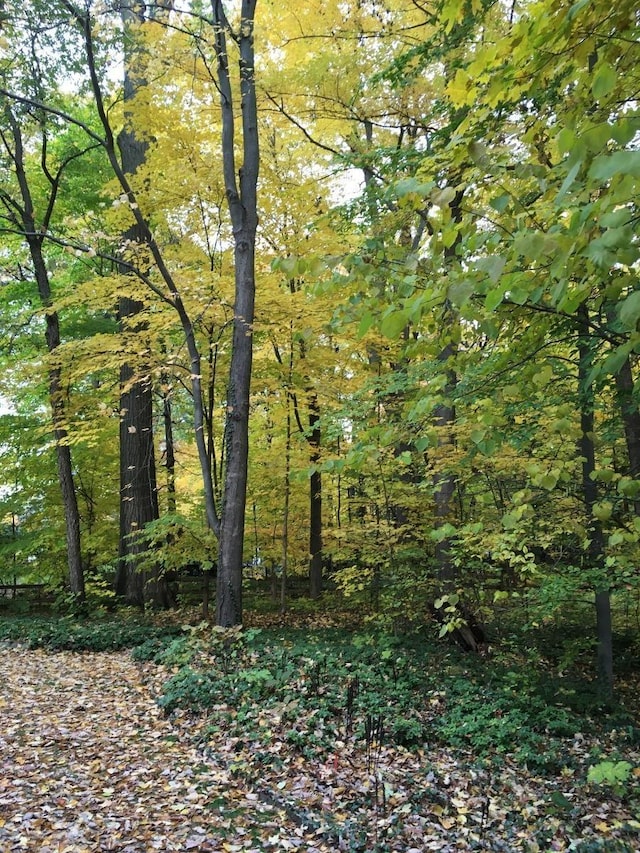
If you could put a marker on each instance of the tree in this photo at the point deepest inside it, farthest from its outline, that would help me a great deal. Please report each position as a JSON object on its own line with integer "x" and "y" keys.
{"x": 241, "y": 195}
{"x": 138, "y": 487}
{"x": 20, "y": 217}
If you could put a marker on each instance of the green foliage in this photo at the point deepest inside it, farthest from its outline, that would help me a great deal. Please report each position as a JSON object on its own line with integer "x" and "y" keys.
{"x": 614, "y": 774}
{"x": 99, "y": 599}
{"x": 71, "y": 633}
{"x": 340, "y": 679}
{"x": 505, "y": 719}
{"x": 268, "y": 684}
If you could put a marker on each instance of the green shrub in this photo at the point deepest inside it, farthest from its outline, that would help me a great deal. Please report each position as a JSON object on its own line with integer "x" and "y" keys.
{"x": 505, "y": 719}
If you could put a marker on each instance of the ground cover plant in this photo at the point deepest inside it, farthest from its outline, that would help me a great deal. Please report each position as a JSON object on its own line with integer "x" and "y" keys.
{"x": 81, "y": 634}
{"x": 378, "y": 713}
{"x": 328, "y": 738}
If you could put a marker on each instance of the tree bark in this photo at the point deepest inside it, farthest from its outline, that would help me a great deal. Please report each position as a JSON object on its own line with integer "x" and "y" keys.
{"x": 138, "y": 485}
{"x": 596, "y": 549}
{"x": 630, "y": 421}
{"x": 445, "y": 484}
{"x": 242, "y": 202}
{"x": 315, "y": 499}
{"x": 169, "y": 448}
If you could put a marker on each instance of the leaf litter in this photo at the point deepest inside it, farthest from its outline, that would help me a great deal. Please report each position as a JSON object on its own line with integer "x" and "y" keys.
{"x": 89, "y": 762}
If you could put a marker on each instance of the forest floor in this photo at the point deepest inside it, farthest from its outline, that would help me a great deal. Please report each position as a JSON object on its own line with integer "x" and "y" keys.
{"x": 89, "y": 762}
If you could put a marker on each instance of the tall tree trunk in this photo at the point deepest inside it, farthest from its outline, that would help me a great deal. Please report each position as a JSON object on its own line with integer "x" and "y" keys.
{"x": 630, "y": 420}
{"x": 138, "y": 486}
{"x": 169, "y": 447}
{"x": 34, "y": 237}
{"x": 445, "y": 483}
{"x": 315, "y": 498}
{"x": 63, "y": 451}
{"x": 470, "y": 634}
{"x": 287, "y": 496}
{"x": 590, "y": 496}
{"x": 241, "y": 195}
{"x": 173, "y": 297}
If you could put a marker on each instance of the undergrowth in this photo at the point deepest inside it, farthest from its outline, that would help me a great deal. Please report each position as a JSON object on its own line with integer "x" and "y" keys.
{"x": 312, "y": 689}
{"x": 70, "y": 633}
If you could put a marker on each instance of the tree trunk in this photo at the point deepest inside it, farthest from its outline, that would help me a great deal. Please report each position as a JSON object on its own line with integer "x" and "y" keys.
{"x": 138, "y": 489}
{"x": 242, "y": 203}
{"x": 232, "y": 520}
{"x": 315, "y": 500}
{"x": 69, "y": 501}
{"x": 590, "y": 497}
{"x": 445, "y": 484}
{"x": 138, "y": 486}
{"x": 169, "y": 449}
{"x": 287, "y": 498}
{"x": 630, "y": 420}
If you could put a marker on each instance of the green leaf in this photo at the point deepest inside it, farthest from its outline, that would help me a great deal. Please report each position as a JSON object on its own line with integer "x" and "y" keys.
{"x": 558, "y": 799}
{"x": 449, "y": 237}
{"x": 518, "y": 295}
{"x": 500, "y": 203}
{"x": 530, "y": 244}
{"x": 492, "y": 265}
{"x": 443, "y": 197}
{"x": 577, "y": 7}
{"x": 509, "y": 521}
{"x": 629, "y": 310}
{"x": 596, "y": 137}
{"x": 604, "y": 81}
{"x": 566, "y": 184}
{"x": 411, "y": 185}
{"x": 477, "y": 435}
{"x": 565, "y": 140}
{"x": 609, "y": 772}
{"x": 287, "y": 265}
{"x": 549, "y": 481}
{"x": 421, "y": 443}
{"x": 616, "y": 359}
{"x": 606, "y": 166}
{"x": 478, "y": 153}
{"x": 460, "y": 292}
{"x": 493, "y": 298}
{"x": 624, "y": 129}
{"x": 365, "y": 324}
{"x": 394, "y": 324}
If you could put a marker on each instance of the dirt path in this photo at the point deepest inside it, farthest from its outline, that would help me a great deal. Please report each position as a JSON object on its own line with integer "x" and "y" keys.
{"x": 88, "y": 763}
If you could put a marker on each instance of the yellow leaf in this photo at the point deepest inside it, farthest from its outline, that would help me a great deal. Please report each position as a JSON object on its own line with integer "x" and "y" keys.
{"x": 458, "y": 88}
{"x": 447, "y": 822}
